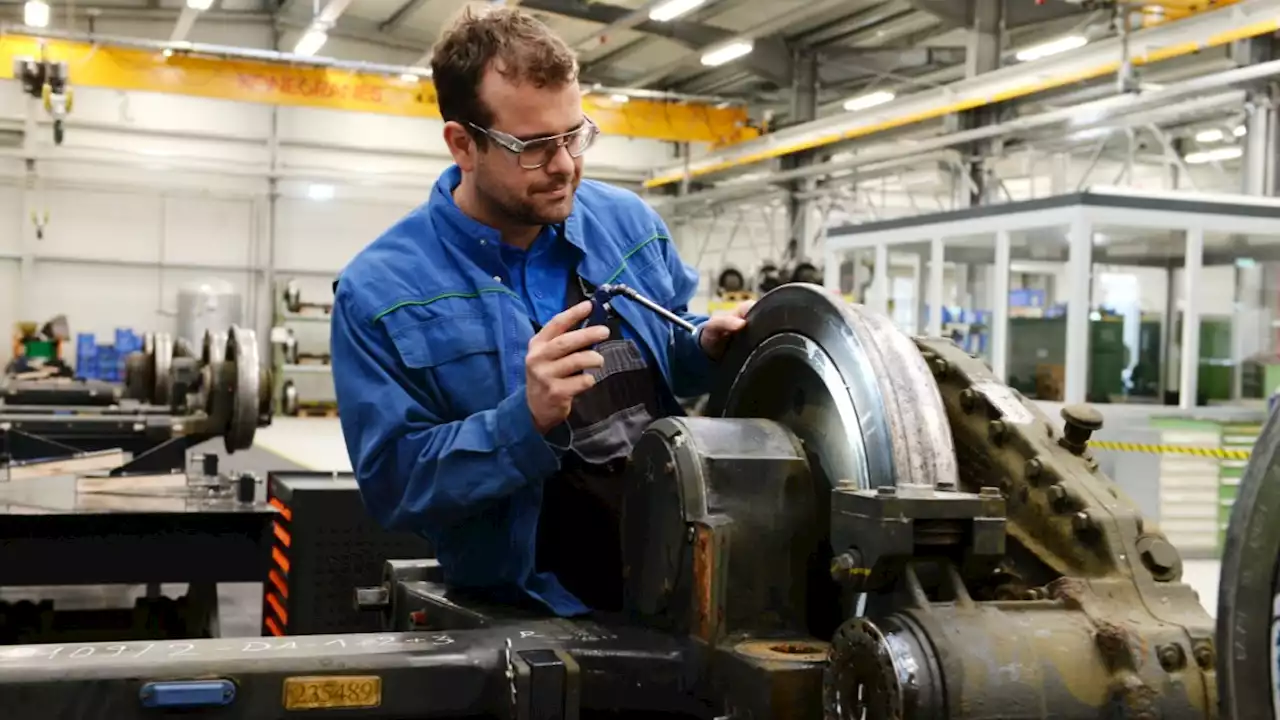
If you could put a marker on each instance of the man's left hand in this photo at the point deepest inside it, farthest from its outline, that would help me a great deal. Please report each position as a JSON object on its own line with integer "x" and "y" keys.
{"x": 717, "y": 331}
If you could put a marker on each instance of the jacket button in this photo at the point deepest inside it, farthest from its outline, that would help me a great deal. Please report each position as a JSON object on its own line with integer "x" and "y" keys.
{"x": 484, "y": 242}
{"x": 497, "y": 278}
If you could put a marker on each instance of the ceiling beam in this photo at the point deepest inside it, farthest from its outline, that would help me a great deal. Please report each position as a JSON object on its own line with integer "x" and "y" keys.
{"x": 401, "y": 15}
{"x": 687, "y": 33}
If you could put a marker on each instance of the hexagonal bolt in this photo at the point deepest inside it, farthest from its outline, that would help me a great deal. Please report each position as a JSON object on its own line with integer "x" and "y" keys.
{"x": 1084, "y": 525}
{"x": 887, "y": 491}
{"x": 997, "y": 431}
{"x": 1081, "y": 422}
{"x": 940, "y": 368}
{"x": 990, "y": 492}
{"x": 843, "y": 564}
{"x": 968, "y": 400}
{"x": 374, "y": 598}
{"x": 1158, "y": 555}
{"x": 1057, "y": 496}
{"x": 946, "y": 485}
{"x": 1204, "y": 656}
{"x": 1034, "y": 468}
{"x": 1172, "y": 657}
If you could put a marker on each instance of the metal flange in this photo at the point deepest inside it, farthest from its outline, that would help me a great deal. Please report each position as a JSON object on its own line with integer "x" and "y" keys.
{"x": 162, "y": 365}
{"x": 241, "y": 370}
{"x": 853, "y": 387}
{"x": 213, "y": 351}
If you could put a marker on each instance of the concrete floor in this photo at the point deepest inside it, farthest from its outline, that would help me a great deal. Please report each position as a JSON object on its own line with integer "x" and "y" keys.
{"x": 316, "y": 444}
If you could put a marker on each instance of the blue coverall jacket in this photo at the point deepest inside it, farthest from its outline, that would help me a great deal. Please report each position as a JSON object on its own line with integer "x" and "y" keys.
{"x": 428, "y": 346}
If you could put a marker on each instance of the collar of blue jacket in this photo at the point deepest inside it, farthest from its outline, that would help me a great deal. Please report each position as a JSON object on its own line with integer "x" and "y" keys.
{"x": 428, "y": 345}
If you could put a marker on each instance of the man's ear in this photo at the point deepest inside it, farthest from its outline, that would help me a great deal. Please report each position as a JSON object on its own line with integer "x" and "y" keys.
{"x": 461, "y": 145}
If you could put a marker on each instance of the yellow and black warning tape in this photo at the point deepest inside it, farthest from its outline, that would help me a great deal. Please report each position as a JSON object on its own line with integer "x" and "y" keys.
{"x": 1217, "y": 453}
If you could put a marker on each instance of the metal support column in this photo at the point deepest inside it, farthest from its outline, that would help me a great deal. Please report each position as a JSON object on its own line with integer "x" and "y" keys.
{"x": 1000, "y": 309}
{"x": 982, "y": 56}
{"x": 937, "y": 266}
{"x": 1079, "y": 272}
{"x": 32, "y": 212}
{"x": 1259, "y": 152}
{"x": 1189, "y": 372}
{"x": 804, "y": 108}
{"x": 880, "y": 281}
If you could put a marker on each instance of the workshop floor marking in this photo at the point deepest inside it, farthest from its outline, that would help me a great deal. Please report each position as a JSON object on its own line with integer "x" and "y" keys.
{"x": 1217, "y": 453}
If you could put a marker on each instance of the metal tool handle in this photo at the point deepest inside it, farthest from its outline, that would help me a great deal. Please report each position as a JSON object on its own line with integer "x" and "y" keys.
{"x": 651, "y": 306}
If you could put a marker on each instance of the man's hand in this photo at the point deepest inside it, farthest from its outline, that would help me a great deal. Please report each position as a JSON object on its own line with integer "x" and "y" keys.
{"x": 553, "y": 367}
{"x": 717, "y": 332}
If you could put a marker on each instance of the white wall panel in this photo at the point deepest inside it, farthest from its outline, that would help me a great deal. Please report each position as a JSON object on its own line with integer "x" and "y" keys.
{"x": 98, "y": 298}
{"x": 8, "y": 305}
{"x": 101, "y": 224}
{"x": 12, "y": 100}
{"x": 208, "y": 232}
{"x": 11, "y": 220}
{"x": 159, "y": 112}
{"x": 326, "y": 235}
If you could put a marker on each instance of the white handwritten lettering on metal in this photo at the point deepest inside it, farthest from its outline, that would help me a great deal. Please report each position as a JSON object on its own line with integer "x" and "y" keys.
{"x": 84, "y": 651}
{"x": 340, "y": 643}
{"x": 442, "y": 640}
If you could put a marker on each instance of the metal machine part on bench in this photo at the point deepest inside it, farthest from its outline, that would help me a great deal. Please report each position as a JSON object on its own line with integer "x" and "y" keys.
{"x": 866, "y": 526}
{"x": 174, "y": 401}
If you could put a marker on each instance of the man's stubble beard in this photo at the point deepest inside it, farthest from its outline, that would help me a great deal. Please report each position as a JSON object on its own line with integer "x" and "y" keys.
{"x": 520, "y": 210}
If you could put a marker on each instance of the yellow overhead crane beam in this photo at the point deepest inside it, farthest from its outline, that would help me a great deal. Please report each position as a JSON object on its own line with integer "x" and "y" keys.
{"x": 768, "y": 147}
{"x": 298, "y": 85}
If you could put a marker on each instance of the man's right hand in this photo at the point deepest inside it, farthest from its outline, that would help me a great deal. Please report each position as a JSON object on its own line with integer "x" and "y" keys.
{"x": 553, "y": 368}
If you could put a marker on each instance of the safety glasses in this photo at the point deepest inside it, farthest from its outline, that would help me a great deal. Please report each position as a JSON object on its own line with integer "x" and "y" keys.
{"x": 537, "y": 152}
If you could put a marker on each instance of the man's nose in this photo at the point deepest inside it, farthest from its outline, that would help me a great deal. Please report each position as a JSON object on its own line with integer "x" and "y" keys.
{"x": 561, "y": 162}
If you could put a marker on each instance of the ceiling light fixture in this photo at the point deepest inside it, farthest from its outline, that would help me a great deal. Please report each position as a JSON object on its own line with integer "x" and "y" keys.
{"x": 319, "y": 192}
{"x": 1211, "y": 135}
{"x": 620, "y": 98}
{"x": 1215, "y": 155}
{"x": 410, "y": 77}
{"x": 727, "y": 53}
{"x": 1053, "y": 47}
{"x": 866, "y": 102}
{"x": 200, "y": 5}
{"x": 310, "y": 42}
{"x": 1240, "y": 131}
{"x": 673, "y": 9}
{"x": 35, "y": 13}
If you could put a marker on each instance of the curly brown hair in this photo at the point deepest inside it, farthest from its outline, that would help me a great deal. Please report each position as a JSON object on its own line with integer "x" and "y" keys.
{"x": 516, "y": 44}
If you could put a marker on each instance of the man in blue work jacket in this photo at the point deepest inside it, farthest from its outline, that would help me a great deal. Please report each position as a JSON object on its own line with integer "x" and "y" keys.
{"x": 476, "y": 410}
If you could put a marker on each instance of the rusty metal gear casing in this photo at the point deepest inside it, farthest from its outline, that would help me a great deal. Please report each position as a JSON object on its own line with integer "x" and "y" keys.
{"x": 1109, "y": 626}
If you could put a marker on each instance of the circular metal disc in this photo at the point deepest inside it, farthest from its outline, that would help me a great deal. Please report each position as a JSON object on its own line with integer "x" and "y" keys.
{"x": 137, "y": 382}
{"x": 1248, "y": 641}
{"x": 848, "y": 383}
{"x": 860, "y": 679}
{"x": 242, "y": 392}
{"x": 266, "y": 381}
{"x": 213, "y": 350}
{"x": 163, "y": 368}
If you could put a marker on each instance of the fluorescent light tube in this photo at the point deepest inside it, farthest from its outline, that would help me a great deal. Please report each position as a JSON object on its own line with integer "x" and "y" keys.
{"x": 1053, "y": 47}
{"x": 1215, "y": 155}
{"x": 727, "y": 53}
{"x": 869, "y": 101}
{"x": 1212, "y": 135}
{"x": 310, "y": 42}
{"x": 673, "y": 9}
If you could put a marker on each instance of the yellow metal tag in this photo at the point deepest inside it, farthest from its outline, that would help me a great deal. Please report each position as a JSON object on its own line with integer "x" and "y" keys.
{"x": 332, "y": 691}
